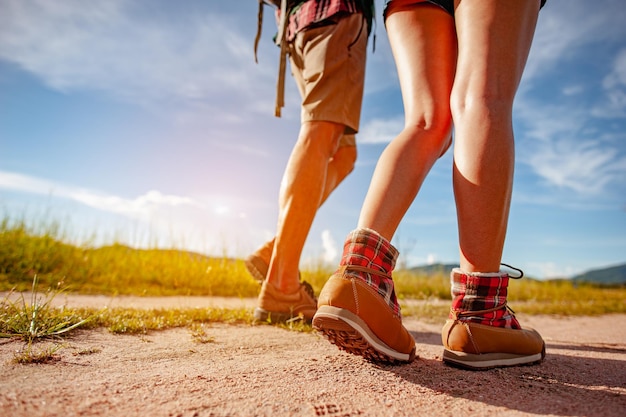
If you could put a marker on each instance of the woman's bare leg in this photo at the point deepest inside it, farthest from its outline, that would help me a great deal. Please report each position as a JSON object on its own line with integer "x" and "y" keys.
{"x": 494, "y": 39}
{"x": 423, "y": 42}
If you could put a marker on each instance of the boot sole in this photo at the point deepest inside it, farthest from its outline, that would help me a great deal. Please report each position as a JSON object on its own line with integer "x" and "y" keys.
{"x": 350, "y": 333}
{"x": 490, "y": 360}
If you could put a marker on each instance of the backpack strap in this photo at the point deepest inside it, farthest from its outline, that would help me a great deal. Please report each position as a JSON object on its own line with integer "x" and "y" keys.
{"x": 260, "y": 23}
{"x": 258, "y": 30}
{"x": 281, "y": 40}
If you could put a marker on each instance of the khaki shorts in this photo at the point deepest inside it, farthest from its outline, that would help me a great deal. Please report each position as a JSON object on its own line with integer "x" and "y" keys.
{"x": 328, "y": 64}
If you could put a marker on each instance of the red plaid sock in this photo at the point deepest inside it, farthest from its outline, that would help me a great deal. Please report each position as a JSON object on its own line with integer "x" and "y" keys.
{"x": 366, "y": 248}
{"x": 478, "y": 292}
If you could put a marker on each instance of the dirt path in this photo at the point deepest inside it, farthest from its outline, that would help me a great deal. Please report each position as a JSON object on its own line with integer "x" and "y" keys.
{"x": 268, "y": 371}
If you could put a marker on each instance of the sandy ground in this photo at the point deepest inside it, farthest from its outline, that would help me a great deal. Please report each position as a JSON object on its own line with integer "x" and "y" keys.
{"x": 268, "y": 371}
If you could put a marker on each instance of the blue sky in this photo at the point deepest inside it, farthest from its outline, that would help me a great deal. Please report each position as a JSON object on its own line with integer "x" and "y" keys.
{"x": 148, "y": 123}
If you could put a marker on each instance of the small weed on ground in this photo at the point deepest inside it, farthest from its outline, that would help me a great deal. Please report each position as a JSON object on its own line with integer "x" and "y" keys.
{"x": 37, "y": 319}
{"x": 31, "y": 354}
{"x": 199, "y": 333}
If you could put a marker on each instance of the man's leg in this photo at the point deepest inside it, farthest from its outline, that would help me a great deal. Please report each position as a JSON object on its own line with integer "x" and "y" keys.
{"x": 328, "y": 65}
{"x": 339, "y": 166}
{"x": 302, "y": 190}
{"x": 282, "y": 294}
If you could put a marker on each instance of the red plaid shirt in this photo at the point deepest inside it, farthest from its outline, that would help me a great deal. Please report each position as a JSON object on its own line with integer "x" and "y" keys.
{"x": 315, "y": 11}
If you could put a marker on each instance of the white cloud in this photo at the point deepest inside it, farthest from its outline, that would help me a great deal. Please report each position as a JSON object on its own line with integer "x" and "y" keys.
{"x": 547, "y": 270}
{"x": 210, "y": 224}
{"x": 564, "y": 143}
{"x": 573, "y": 90}
{"x": 617, "y": 77}
{"x": 614, "y": 85}
{"x": 137, "y": 207}
{"x": 562, "y": 140}
{"x": 584, "y": 167}
{"x": 381, "y": 130}
{"x": 329, "y": 246}
{"x": 19, "y": 182}
{"x": 558, "y": 39}
{"x": 562, "y": 200}
{"x": 560, "y": 145}
{"x": 124, "y": 48}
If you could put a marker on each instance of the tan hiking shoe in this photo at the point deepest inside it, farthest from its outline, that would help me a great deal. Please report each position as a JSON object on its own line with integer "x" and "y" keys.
{"x": 482, "y": 331}
{"x": 479, "y": 346}
{"x": 356, "y": 318}
{"x": 276, "y": 307}
{"x": 259, "y": 262}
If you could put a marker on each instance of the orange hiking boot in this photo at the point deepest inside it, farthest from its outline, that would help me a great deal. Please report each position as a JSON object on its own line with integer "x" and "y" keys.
{"x": 482, "y": 332}
{"x": 277, "y": 307}
{"x": 259, "y": 262}
{"x": 357, "y": 308}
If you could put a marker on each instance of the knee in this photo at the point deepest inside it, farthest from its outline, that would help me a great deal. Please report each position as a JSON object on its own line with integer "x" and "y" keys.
{"x": 435, "y": 131}
{"x": 320, "y": 137}
{"x": 491, "y": 104}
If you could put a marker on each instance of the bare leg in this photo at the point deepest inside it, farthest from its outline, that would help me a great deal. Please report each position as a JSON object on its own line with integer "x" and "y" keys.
{"x": 424, "y": 46}
{"x": 494, "y": 39}
{"x": 339, "y": 166}
{"x": 301, "y": 193}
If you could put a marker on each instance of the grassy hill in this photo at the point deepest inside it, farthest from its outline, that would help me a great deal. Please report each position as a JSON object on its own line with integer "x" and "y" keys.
{"x": 615, "y": 275}
{"x": 434, "y": 269}
{"x": 610, "y": 276}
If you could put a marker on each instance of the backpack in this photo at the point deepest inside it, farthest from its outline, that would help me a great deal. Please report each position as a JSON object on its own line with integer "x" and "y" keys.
{"x": 286, "y": 7}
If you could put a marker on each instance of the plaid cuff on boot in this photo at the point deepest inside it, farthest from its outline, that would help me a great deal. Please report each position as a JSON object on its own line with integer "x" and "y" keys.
{"x": 367, "y": 248}
{"x": 476, "y": 292}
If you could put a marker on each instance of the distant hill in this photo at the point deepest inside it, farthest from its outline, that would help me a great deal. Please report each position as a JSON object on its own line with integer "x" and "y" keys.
{"x": 615, "y": 275}
{"x": 434, "y": 269}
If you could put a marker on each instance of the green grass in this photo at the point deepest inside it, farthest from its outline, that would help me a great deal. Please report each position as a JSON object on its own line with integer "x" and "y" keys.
{"x": 113, "y": 270}
{"x": 31, "y": 354}
{"x": 36, "y": 319}
{"x": 42, "y": 253}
